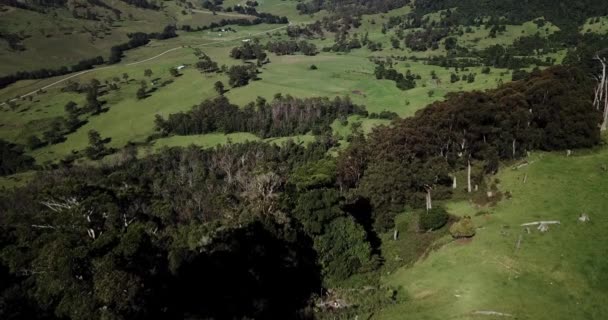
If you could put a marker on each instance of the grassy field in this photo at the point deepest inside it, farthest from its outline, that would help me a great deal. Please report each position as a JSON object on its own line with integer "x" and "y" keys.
{"x": 596, "y": 25}
{"x": 59, "y": 39}
{"x": 560, "y": 274}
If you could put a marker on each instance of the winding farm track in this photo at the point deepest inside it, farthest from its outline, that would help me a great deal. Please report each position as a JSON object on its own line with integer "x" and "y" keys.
{"x": 141, "y": 61}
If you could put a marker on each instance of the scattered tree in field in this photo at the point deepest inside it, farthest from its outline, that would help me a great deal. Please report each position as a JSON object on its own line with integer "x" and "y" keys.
{"x": 141, "y": 93}
{"x": 450, "y": 43}
{"x": 96, "y": 149}
{"x": 206, "y": 65}
{"x": 33, "y": 142}
{"x": 219, "y": 87}
{"x": 125, "y": 77}
{"x": 148, "y": 73}
{"x": 55, "y": 133}
{"x": 470, "y": 78}
{"x": 174, "y": 72}
{"x": 241, "y": 75}
{"x": 93, "y": 105}
{"x": 454, "y": 78}
{"x": 71, "y": 108}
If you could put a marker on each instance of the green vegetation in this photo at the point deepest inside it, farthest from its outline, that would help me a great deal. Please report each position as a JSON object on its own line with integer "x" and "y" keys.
{"x": 433, "y": 219}
{"x": 266, "y": 159}
{"x": 561, "y": 268}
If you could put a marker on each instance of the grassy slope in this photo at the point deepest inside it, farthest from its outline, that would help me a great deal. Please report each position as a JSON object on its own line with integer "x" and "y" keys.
{"x": 57, "y": 39}
{"x": 561, "y": 274}
{"x": 592, "y": 26}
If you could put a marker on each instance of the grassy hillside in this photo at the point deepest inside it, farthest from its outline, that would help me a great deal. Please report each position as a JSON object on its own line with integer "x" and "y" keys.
{"x": 57, "y": 39}
{"x": 560, "y": 274}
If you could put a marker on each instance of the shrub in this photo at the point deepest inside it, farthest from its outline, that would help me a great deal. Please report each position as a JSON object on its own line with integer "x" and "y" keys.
{"x": 313, "y": 67}
{"x": 433, "y": 219}
{"x": 463, "y": 228}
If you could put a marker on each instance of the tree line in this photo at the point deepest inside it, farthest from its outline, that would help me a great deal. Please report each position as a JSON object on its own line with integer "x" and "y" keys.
{"x": 401, "y": 164}
{"x": 385, "y": 70}
{"x": 285, "y": 47}
{"x": 137, "y": 39}
{"x": 283, "y": 116}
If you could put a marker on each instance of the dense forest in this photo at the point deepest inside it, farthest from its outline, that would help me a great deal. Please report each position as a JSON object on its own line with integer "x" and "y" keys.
{"x": 283, "y": 116}
{"x": 565, "y": 14}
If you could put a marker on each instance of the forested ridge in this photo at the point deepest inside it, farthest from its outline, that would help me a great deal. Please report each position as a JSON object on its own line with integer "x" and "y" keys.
{"x": 255, "y": 230}
{"x": 566, "y": 14}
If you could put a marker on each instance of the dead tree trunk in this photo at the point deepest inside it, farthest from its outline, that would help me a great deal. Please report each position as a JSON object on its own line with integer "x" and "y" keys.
{"x": 601, "y": 93}
{"x": 429, "y": 201}
{"x": 454, "y": 186}
{"x": 513, "y": 148}
{"x": 469, "y": 177}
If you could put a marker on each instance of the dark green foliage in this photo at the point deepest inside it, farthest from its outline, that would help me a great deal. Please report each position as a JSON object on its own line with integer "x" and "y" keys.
{"x": 464, "y": 228}
{"x": 284, "y": 116}
{"x": 141, "y": 93}
{"x": 219, "y": 87}
{"x": 284, "y": 47}
{"x": 342, "y": 249}
{"x": 315, "y": 175}
{"x": 96, "y": 149}
{"x": 519, "y": 75}
{"x": 47, "y": 73}
{"x": 387, "y": 115}
{"x": 563, "y": 13}
{"x": 206, "y": 65}
{"x": 93, "y": 105}
{"x": 141, "y": 4}
{"x": 241, "y": 75}
{"x": 33, "y": 142}
{"x": 403, "y": 82}
{"x": 450, "y": 43}
{"x": 249, "y": 50}
{"x": 454, "y": 78}
{"x": 315, "y": 209}
{"x": 350, "y": 7}
{"x": 549, "y": 111}
{"x": 55, "y": 133}
{"x": 426, "y": 39}
{"x": 13, "y": 159}
{"x": 143, "y": 239}
{"x": 432, "y": 219}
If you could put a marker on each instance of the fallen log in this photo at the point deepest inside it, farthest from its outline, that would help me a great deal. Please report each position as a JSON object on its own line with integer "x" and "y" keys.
{"x": 535, "y": 223}
{"x": 493, "y": 313}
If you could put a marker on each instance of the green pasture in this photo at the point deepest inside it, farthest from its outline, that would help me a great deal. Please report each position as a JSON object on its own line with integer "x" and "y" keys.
{"x": 560, "y": 274}
{"x": 595, "y": 25}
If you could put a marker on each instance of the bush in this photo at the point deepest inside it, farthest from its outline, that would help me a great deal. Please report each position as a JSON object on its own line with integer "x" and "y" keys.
{"x": 433, "y": 219}
{"x": 463, "y": 228}
{"x": 313, "y": 67}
